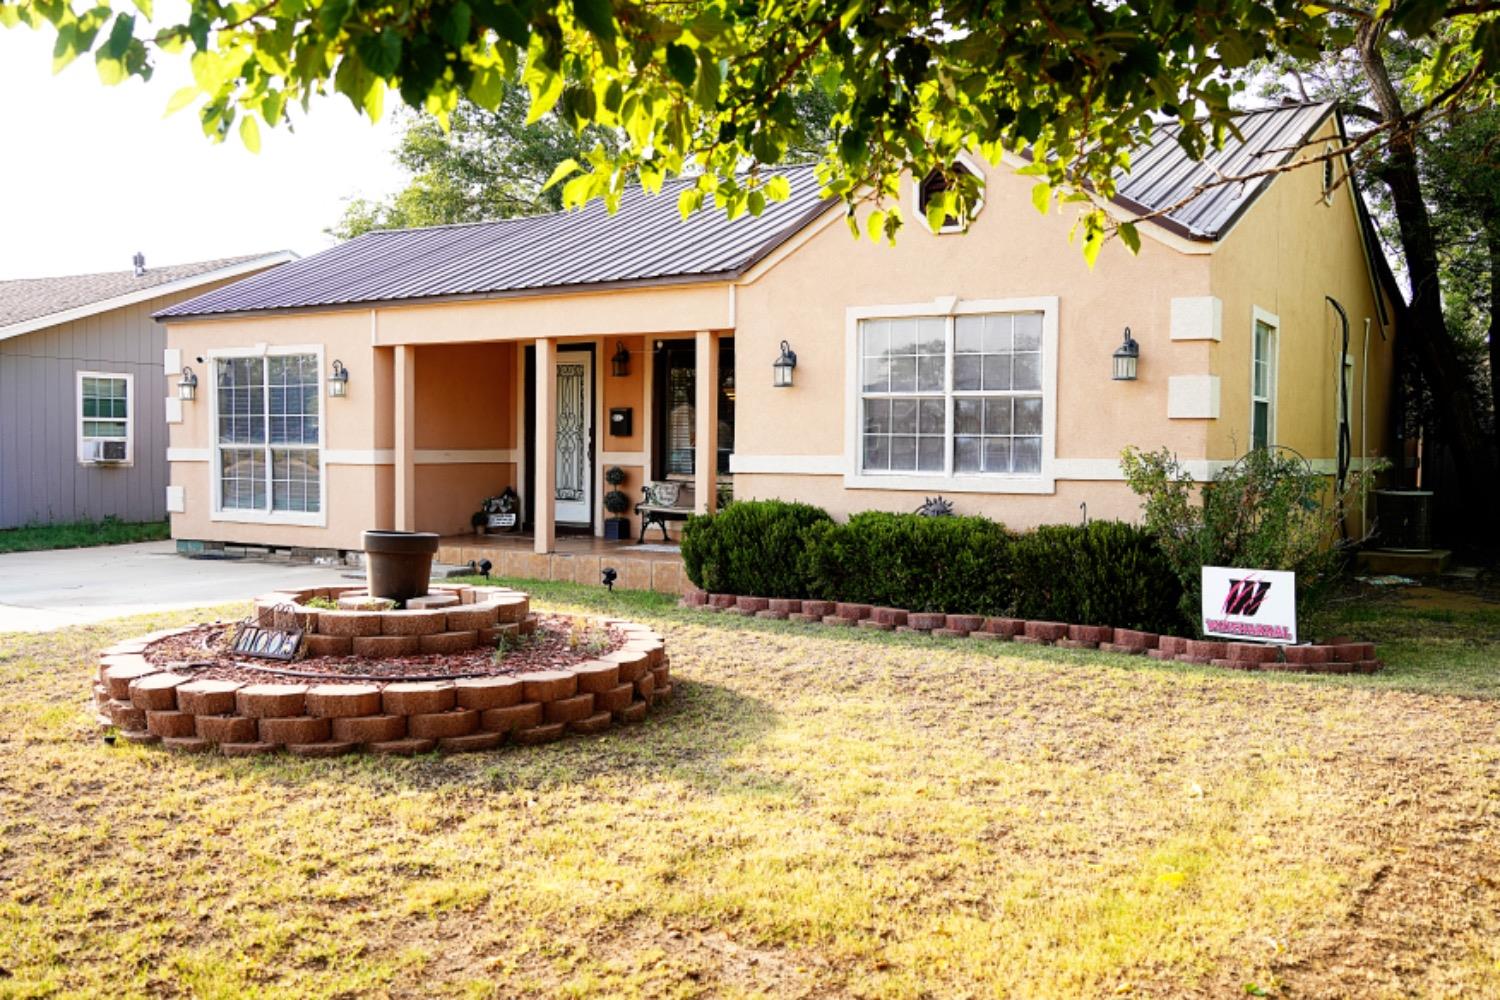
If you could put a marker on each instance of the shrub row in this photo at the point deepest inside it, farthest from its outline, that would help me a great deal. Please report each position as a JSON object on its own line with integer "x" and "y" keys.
{"x": 1103, "y": 573}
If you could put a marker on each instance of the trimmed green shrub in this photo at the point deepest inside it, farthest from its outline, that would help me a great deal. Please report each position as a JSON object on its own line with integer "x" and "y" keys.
{"x": 752, "y": 547}
{"x": 952, "y": 564}
{"x": 1103, "y": 573}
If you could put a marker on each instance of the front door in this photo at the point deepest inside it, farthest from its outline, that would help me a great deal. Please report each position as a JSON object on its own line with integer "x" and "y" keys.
{"x": 573, "y": 380}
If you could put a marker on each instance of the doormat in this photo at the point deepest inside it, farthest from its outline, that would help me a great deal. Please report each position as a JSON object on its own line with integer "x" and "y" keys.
{"x": 658, "y": 547}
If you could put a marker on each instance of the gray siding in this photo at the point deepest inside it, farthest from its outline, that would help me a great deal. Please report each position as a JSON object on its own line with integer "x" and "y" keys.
{"x": 41, "y": 479}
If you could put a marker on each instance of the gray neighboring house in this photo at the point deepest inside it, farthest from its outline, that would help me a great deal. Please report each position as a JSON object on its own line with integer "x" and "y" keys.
{"x": 84, "y": 391}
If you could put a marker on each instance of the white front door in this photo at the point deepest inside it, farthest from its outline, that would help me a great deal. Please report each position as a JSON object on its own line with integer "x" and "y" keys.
{"x": 573, "y": 380}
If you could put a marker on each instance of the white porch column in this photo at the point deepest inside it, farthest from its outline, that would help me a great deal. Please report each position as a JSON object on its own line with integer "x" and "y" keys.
{"x": 706, "y": 456}
{"x": 544, "y": 504}
{"x": 405, "y": 378}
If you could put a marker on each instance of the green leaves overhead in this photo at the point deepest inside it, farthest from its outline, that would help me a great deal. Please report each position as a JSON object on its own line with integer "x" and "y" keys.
{"x": 711, "y": 88}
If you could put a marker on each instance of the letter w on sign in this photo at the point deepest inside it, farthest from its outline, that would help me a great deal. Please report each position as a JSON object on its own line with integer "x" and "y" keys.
{"x": 1245, "y": 596}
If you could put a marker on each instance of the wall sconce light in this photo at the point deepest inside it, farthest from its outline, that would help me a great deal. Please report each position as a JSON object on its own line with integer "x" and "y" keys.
{"x": 1126, "y": 356}
{"x": 781, "y": 369}
{"x": 338, "y": 382}
{"x": 621, "y": 361}
{"x": 187, "y": 389}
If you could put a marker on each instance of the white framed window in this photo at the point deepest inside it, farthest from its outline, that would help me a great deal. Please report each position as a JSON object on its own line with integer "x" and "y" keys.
{"x": 106, "y": 405}
{"x": 957, "y": 398}
{"x": 268, "y": 435}
{"x": 1265, "y": 330}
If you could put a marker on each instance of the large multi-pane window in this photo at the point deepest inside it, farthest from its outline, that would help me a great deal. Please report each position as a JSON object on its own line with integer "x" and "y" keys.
{"x": 267, "y": 435}
{"x": 1263, "y": 387}
{"x": 959, "y": 395}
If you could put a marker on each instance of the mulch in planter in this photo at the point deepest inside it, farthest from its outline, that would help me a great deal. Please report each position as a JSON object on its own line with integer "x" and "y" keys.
{"x": 202, "y": 653}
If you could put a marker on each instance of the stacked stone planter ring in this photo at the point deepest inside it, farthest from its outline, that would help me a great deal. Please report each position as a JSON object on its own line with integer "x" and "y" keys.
{"x": 173, "y": 704}
{"x": 1338, "y": 656}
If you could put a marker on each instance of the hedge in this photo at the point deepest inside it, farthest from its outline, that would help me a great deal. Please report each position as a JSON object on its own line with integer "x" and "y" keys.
{"x": 953, "y": 564}
{"x": 1105, "y": 573}
{"x": 751, "y": 547}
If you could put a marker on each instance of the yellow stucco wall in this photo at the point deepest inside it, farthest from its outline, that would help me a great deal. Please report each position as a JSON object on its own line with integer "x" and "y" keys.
{"x": 1289, "y": 251}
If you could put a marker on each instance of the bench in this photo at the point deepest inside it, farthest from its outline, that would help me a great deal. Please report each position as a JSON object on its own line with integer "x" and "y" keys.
{"x": 663, "y": 502}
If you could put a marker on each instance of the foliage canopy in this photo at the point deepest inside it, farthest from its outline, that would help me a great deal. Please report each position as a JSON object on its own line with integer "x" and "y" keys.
{"x": 709, "y": 87}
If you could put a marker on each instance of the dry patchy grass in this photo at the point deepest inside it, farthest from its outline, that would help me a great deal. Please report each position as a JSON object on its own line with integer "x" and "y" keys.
{"x": 818, "y": 815}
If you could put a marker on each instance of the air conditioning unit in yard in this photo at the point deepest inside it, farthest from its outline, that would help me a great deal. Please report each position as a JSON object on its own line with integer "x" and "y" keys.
{"x": 107, "y": 452}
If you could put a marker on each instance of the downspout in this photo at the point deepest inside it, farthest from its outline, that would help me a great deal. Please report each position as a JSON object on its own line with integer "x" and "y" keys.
{"x": 1364, "y": 434}
{"x": 1344, "y": 444}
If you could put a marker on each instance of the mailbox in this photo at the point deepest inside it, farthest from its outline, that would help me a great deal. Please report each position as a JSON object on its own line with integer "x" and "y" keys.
{"x": 620, "y": 422}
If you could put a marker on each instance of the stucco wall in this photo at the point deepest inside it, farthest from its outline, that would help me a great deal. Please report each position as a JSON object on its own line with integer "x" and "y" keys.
{"x": 1284, "y": 256}
{"x": 1010, "y": 252}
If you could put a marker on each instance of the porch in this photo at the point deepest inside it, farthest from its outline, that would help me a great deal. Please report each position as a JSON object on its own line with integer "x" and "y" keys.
{"x": 552, "y": 418}
{"x": 576, "y": 558}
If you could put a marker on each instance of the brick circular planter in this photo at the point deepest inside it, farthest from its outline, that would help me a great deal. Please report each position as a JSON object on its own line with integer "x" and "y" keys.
{"x": 166, "y": 705}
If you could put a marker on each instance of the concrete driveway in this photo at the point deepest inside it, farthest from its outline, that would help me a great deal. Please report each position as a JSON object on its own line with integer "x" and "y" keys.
{"x": 47, "y": 590}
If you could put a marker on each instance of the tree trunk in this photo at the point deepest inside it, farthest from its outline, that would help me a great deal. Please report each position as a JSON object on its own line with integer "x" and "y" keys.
{"x": 1492, "y": 231}
{"x": 1426, "y": 330}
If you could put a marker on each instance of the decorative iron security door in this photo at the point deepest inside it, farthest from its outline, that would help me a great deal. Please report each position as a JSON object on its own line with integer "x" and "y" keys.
{"x": 572, "y": 432}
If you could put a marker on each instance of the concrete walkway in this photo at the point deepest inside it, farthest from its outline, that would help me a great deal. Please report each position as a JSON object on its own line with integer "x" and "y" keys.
{"x": 40, "y": 591}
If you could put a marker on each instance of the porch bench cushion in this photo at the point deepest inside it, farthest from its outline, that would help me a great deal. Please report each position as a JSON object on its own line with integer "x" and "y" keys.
{"x": 663, "y": 502}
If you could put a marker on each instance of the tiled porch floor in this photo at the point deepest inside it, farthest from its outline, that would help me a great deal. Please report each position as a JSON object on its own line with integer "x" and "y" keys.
{"x": 577, "y": 558}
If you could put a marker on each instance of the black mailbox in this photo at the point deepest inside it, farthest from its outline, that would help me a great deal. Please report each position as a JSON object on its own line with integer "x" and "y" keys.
{"x": 620, "y": 423}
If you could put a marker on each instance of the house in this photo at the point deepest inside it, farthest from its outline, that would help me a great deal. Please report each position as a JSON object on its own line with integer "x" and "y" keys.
{"x": 539, "y": 352}
{"x": 84, "y": 408}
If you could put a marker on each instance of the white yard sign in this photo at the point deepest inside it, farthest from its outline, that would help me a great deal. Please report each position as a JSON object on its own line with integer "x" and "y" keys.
{"x": 1254, "y": 605}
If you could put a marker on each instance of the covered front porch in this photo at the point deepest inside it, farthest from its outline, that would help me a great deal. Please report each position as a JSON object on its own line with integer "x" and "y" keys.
{"x": 551, "y": 418}
{"x": 574, "y": 558}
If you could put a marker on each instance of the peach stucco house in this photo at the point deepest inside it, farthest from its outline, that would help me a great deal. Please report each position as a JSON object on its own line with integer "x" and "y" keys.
{"x": 973, "y": 364}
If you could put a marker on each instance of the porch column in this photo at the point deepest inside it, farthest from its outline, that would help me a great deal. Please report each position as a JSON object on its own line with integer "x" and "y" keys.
{"x": 706, "y": 457}
{"x": 405, "y": 395}
{"x": 544, "y": 504}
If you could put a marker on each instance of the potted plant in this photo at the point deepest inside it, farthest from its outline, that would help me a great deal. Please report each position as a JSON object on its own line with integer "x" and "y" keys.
{"x": 616, "y": 503}
{"x": 477, "y": 520}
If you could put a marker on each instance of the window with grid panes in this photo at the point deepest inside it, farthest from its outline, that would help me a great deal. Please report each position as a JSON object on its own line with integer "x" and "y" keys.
{"x": 959, "y": 395}
{"x": 268, "y": 420}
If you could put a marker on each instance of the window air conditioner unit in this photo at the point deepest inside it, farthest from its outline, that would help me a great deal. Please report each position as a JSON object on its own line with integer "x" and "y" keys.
{"x": 106, "y": 452}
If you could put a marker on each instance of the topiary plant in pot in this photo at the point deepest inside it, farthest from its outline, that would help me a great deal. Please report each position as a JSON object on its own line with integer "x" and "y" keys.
{"x": 616, "y": 503}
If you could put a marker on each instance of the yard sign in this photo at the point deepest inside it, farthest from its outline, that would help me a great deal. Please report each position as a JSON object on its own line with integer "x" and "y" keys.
{"x": 1258, "y": 605}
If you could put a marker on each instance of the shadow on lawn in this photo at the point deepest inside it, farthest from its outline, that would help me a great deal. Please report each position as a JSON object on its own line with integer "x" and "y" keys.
{"x": 693, "y": 741}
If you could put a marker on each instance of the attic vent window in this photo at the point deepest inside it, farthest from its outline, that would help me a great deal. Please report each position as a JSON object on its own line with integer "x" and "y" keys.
{"x": 934, "y": 184}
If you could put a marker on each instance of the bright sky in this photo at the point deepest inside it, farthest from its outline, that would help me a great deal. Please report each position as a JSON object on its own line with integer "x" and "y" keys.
{"x": 90, "y": 174}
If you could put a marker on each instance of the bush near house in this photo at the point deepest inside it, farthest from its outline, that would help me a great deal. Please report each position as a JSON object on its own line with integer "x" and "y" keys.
{"x": 751, "y": 547}
{"x": 1107, "y": 573}
{"x": 951, "y": 564}
{"x": 1102, "y": 573}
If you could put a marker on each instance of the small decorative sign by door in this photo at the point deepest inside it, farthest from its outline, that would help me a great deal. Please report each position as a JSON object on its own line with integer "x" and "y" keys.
{"x": 267, "y": 643}
{"x": 1257, "y": 605}
{"x": 500, "y": 521}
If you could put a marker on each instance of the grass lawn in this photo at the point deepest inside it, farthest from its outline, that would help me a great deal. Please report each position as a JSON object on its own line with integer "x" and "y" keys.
{"x": 81, "y": 534}
{"x": 818, "y": 814}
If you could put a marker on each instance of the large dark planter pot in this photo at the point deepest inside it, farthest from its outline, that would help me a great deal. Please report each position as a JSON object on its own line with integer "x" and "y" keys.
{"x": 398, "y": 564}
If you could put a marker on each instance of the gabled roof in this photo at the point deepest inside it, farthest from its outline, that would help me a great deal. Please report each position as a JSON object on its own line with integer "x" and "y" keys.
{"x": 28, "y": 304}
{"x": 647, "y": 242}
{"x": 1162, "y": 173}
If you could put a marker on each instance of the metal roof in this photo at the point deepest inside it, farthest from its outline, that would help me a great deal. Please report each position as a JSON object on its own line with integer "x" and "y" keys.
{"x": 30, "y": 303}
{"x": 1162, "y": 173}
{"x": 646, "y": 240}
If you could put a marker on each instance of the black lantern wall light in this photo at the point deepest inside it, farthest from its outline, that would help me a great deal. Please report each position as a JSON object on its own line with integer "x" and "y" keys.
{"x": 338, "y": 380}
{"x": 1126, "y": 357}
{"x": 620, "y": 363}
{"x": 187, "y": 388}
{"x": 781, "y": 368}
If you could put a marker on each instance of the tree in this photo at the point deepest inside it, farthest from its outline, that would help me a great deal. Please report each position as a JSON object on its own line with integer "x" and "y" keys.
{"x": 494, "y": 164}
{"x": 1427, "y": 148}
